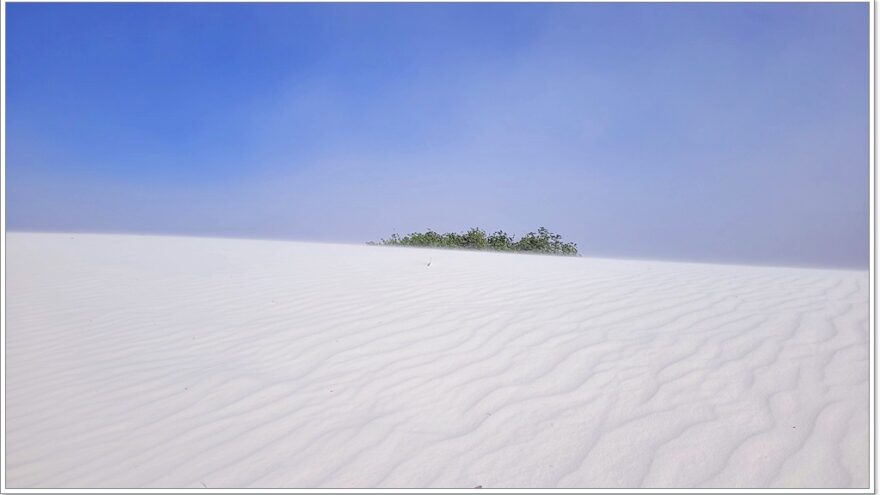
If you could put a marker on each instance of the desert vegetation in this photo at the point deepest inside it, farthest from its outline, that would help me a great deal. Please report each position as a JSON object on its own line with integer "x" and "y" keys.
{"x": 543, "y": 241}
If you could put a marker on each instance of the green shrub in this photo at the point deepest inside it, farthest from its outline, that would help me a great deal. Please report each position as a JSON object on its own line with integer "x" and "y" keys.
{"x": 543, "y": 241}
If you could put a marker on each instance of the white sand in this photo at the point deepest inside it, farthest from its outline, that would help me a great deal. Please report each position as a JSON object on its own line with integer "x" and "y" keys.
{"x": 180, "y": 362}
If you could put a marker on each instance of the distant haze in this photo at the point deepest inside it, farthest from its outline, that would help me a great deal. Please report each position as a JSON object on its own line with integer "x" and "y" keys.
{"x": 708, "y": 132}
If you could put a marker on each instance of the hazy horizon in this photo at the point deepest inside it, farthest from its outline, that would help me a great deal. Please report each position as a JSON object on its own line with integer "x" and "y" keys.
{"x": 735, "y": 133}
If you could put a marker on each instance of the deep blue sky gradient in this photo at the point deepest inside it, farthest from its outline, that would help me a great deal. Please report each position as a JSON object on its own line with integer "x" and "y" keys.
{"x": 709, "y": 132}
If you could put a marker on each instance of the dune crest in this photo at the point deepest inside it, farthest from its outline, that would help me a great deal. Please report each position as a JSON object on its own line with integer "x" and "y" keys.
{"x": 137, "y": 361}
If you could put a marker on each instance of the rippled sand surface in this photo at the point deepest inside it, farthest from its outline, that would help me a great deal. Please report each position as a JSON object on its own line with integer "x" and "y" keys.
{"x": 137, "y": 361}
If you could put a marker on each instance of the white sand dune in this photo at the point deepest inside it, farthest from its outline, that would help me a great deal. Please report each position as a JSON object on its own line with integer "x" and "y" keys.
{"x": 137, "y": 361}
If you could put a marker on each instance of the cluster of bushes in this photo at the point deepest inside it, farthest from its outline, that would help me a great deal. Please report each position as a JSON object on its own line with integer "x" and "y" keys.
{"x": 543, "y": 241}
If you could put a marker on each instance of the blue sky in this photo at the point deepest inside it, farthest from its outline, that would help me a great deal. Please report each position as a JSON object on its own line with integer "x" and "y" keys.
{"x": 707, "y": 132}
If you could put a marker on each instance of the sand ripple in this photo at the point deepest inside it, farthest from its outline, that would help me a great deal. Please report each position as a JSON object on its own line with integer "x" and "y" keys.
{"x": 170, "y": 362}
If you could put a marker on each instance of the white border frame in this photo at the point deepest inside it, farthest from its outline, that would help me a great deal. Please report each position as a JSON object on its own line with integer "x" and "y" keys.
{"x": 872, "y": 292}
